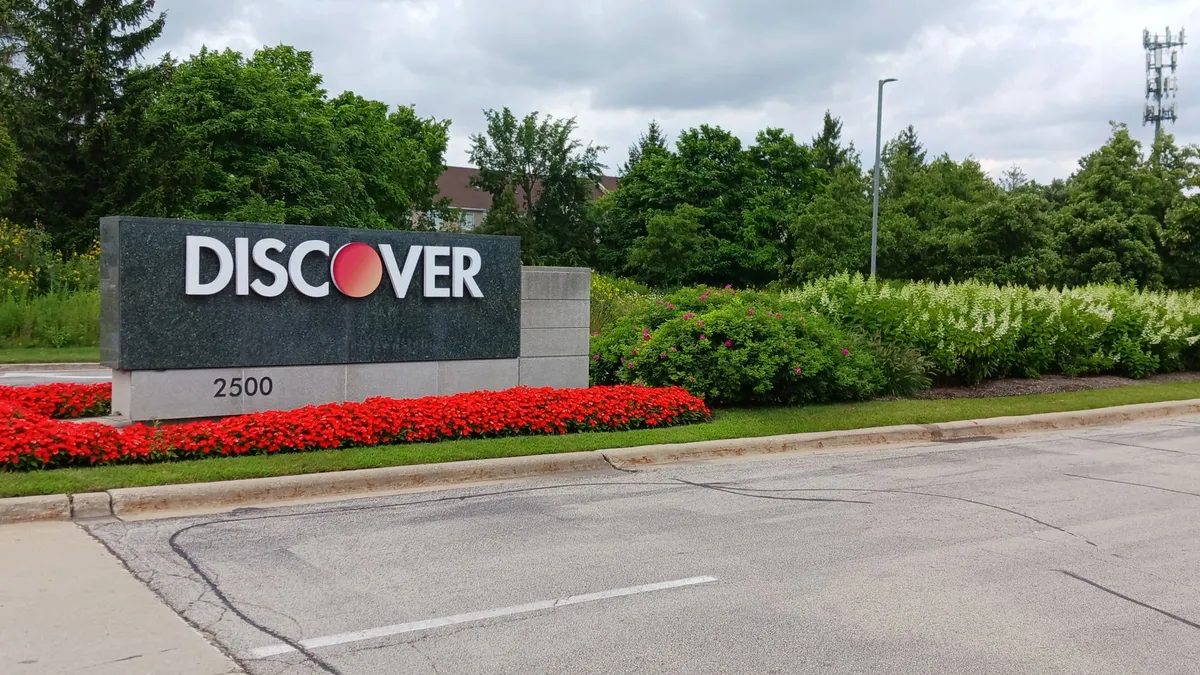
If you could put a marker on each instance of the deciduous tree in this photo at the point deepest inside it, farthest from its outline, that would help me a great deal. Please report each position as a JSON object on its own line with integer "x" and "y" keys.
{"x": 555, "y": 176}
{"x": 231, "y": 138}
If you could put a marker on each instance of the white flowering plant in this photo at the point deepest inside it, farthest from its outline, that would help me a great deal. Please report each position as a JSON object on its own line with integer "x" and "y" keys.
{"x": 972, "y": 330}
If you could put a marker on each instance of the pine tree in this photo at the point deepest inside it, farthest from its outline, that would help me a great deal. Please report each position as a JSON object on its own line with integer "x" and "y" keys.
{"x": 828, "y": 153}
{"x": 902, "y": 159}
{"x": 652, "y": 140}
{"x": 66, "y": 88}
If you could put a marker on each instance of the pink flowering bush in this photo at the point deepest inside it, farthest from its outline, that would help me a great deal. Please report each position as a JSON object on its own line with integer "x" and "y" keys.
{"x": 736, "y": 350}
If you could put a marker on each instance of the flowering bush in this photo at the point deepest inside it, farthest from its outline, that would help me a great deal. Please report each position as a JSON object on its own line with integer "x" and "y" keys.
{"x": 973, "y": 330}
{"x": 30, "y": 266}
{"x": 736, "y": 348}
{"x": 720, "y": 343}
{"x": 29, "y": 440}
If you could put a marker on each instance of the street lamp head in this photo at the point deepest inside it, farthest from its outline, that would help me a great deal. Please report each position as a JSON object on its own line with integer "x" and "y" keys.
{"x": 885, "y": 81}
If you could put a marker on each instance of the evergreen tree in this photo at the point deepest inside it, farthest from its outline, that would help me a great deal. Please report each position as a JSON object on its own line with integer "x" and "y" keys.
{"x": 901, "y": 160}
{"x": 64, "y": 91}
{"x": 828, "y": 153}
{"x": 650, "y": 142}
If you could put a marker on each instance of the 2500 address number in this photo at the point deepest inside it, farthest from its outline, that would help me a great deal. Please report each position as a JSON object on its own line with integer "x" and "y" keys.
{"x": 250, "y": 386}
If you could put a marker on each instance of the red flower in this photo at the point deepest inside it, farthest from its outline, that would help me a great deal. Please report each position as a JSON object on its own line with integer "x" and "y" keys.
{"x": 31, "y": 439}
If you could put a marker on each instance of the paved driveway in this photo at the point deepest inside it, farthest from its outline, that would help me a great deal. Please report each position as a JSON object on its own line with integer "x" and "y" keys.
{"x": 23, "y": 378}
{"x": 1064, "y": 553}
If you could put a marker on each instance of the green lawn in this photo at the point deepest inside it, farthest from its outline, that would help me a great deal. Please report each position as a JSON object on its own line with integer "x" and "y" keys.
{"x": 49, "y": 355}
{"x": 725, "y": 424}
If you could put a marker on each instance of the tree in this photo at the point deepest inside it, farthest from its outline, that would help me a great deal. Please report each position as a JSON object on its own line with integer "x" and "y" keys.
{"x": 1107, "y": 227}
{"x": 1012, "y": 241}
{"x": 828, "y": 153}
{"x": 942, "y": 198}
{"x": 832, "y": 233}
{"x": 66, "y": 87}
{"x": 901, "y": 159}
{"x": 10, "y": 158}
{"x": 505, "y": 218}
{"x": 1181, "y": 243}
{"x": 652, "y": 141}
{"x": 784, "y": 180}
{"x": 230, "y": 138}
{"x": 554, "y": 174}
{"x": 673, "y": 249}
{"x": 1177, "y": 178}
{"x": 1013, "y": 179}
{"x": 647, "y": 189}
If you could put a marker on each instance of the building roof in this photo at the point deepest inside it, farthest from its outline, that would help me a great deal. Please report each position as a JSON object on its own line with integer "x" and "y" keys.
{"x": 455, "y": 185}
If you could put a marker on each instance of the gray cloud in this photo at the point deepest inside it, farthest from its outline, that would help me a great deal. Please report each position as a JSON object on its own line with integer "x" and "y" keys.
{"x": 1003, "y": 80}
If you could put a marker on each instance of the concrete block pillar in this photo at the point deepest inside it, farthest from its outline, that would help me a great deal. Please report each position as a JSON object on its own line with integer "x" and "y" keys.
{"x": 555, "y": 317}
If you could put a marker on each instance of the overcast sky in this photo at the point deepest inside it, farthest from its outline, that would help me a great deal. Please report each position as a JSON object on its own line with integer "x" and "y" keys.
{"x": 1030, "y": 82}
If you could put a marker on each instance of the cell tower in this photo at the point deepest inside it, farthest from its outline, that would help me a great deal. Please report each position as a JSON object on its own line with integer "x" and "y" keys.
{"x": 1162, "y": 53}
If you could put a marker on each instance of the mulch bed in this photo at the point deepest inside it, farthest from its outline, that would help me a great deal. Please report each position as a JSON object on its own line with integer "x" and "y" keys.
{"x": 1049, "y": 384}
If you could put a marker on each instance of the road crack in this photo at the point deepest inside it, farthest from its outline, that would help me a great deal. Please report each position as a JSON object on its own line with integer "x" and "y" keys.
{"x": 1135, "y": 601}
{"x": 1141, "y": 485}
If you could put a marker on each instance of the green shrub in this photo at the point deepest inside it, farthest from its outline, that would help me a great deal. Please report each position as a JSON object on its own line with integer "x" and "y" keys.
{"x": 905, "y": 370}
{"x": 971, "y": 331}
{"x": 736, "y": 349}
{"x": 614, "y": 298}
{"x": 29, "y": 266}
{"x": 56, "y": 320}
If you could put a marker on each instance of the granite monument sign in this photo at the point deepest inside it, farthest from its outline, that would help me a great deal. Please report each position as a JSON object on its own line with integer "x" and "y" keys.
{"x": 203, "y": 318}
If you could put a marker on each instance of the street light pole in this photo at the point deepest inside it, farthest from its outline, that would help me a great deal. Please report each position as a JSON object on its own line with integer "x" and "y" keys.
{"x": 875, "y": 207}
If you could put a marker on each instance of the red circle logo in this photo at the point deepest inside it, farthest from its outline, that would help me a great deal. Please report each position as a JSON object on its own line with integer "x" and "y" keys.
{"x": 356, "y": 270}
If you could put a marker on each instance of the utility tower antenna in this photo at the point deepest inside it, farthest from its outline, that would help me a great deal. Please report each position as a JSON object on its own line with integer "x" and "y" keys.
{"x": 1162, "y": 53}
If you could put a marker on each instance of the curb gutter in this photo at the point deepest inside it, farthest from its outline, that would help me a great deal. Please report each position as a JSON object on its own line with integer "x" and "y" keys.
{"x": 49, "y": 367}
{"x": 229, "y": 494}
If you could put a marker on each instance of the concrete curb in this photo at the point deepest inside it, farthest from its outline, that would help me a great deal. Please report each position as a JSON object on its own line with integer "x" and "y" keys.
{"x": 49, "y": 367}
{"x": 907, "y": 433}
{"x": 227, "y": 494}
{"x": 29, "y": 509}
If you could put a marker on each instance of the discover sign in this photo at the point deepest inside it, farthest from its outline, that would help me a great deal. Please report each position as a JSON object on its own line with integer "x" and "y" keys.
{"x": 178, "y": 294}
{"x": 355, "y": 269}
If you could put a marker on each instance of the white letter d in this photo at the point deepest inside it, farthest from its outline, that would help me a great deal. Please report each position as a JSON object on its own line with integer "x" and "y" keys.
{"x": 192, "y": 267}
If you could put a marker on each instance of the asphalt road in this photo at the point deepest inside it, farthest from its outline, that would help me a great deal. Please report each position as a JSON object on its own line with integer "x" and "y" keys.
{"x": 1062, "y": 553}
{"x": 25, "y": 378}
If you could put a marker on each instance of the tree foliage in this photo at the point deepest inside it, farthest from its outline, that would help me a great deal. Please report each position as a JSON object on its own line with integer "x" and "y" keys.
{"x": 554, "y": 175}
{"x": 66, "y": 64}
{"x": 258, "y": 139}
{"x": 783, "y": 211}
{"x": 87, "y": 129}
{"x": 10, "y": 158}
{"x": 217, "y": 135}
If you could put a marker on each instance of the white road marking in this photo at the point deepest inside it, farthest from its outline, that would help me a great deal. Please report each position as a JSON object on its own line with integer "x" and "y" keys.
{"x": 397, "y": 629}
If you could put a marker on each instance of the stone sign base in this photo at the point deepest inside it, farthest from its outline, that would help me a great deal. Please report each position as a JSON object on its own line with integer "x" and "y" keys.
{"x": 555, "y": 314}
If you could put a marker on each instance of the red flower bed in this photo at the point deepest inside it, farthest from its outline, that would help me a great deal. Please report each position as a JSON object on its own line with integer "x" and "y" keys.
{"x": 29, "y": 440}
{"x": 62, "y": 401}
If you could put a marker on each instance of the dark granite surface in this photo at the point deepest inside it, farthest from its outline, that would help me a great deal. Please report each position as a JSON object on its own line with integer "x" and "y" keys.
{"x": 149, "y": 323}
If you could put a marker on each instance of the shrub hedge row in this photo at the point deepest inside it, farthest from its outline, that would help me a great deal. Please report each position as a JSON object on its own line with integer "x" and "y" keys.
{"x": 848, "y": 338}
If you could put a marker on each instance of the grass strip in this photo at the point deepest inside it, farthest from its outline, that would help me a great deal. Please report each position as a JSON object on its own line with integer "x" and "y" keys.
{"x": 49, "y": 355}
{"x": 733, "y": 423}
